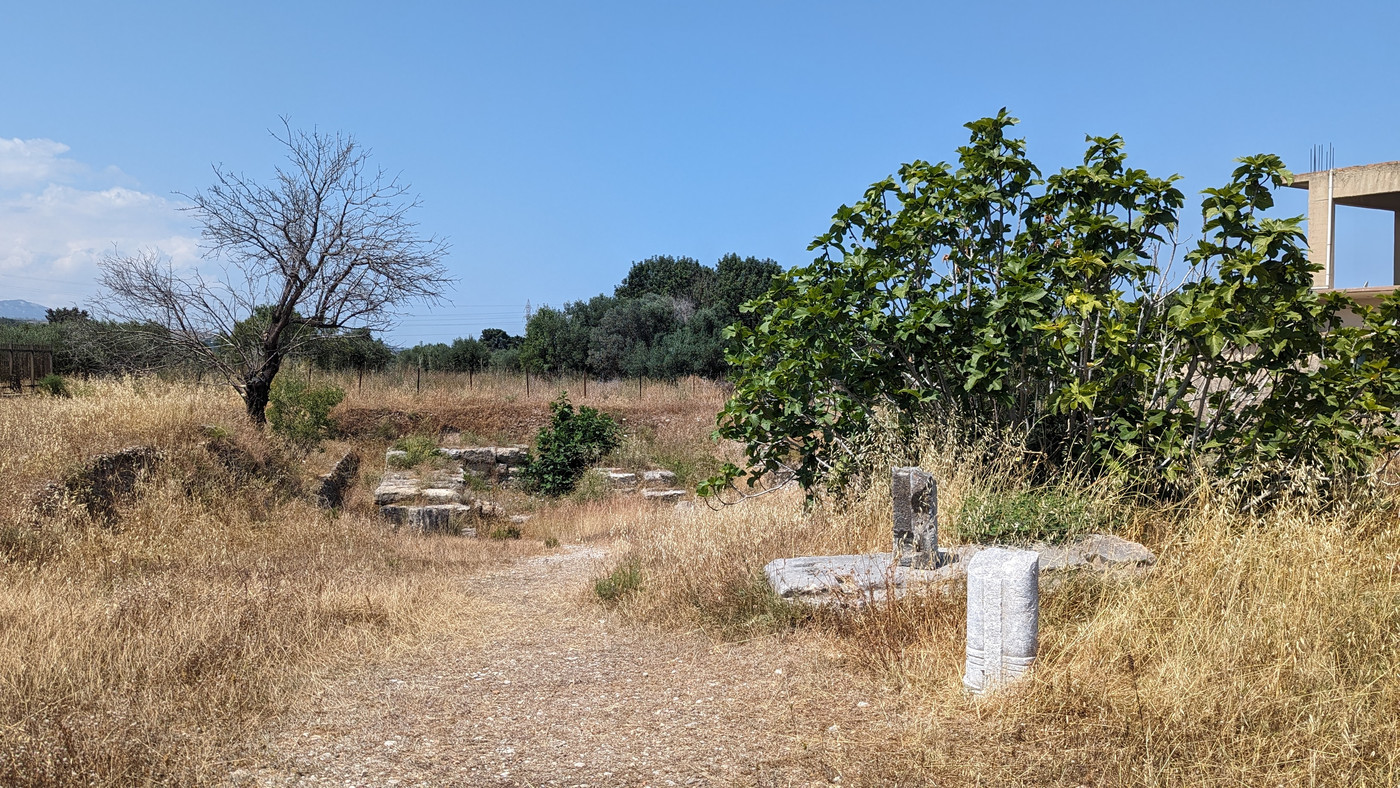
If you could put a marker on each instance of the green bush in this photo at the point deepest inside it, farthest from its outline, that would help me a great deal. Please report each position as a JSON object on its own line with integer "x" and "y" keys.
{"x": 505, "y": 531}
{"x": 418, "y": 450}
{"x": 568, "y": 446}
{"x": 300, "y": 411}
{"x": 1026, "y": 516}
{"x": 993, "y": 297}
{"x": 54, "y": 386}
{"x": 621, "y": 581}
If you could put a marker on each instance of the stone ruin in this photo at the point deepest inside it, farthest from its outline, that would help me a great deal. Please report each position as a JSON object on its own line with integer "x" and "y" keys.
{"x": 1003, "y": 616}
{"x": 1003, "y": 584}
{"x": 438, "y": 500}
{"x": 654, "y": 485}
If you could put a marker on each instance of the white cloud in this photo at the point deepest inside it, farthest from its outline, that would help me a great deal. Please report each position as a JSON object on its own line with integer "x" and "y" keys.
{"x": 28, "y": 162}
{"x": 58, "y": 217}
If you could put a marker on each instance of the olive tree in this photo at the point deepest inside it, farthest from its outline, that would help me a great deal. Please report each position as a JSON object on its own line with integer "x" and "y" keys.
{"x": 327, "y": 245}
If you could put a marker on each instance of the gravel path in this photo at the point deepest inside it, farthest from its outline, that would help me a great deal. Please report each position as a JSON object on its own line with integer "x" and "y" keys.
{"x": 540, "y": 688}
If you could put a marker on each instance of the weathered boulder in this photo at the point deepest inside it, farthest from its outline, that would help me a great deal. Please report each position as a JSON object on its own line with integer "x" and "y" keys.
{"x": 622, "y": 479}
{"x": 513, "y": 456}
{"x": 331, "y": 487}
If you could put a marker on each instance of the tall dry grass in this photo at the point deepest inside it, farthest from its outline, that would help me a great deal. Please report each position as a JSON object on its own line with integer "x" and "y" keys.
{"x": 145, "y": 650}
{"x": 1260, "y": 650}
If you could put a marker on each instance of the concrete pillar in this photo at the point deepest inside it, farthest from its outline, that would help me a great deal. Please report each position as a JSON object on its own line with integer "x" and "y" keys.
{"x": 915, "y": 497}
{"x": 1322, "y": 217}
{"x": 1396, "y": 279}
{"x": 1003, "y": 616}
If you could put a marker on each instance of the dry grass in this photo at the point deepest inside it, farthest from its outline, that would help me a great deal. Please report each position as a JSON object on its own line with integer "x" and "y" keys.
{"x": 1260, "y": 651}
{"x": 494, "y": 408}
{"x": 143, "y": 651}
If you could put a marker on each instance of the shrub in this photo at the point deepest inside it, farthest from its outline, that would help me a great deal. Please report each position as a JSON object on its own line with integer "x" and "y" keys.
{"x": 1026, "y": 516}
{"x": 54, "y": 386}
{"x": 300, "y": 411}
{"x": 565, "y": 449}
{"x": 987, "y": 295}
{"x": 505, "y": 531}
{"x": 621, "y": 581}
{"x": 418, "y": 449}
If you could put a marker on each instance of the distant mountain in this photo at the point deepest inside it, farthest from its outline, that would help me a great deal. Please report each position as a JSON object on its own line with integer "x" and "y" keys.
{"x": 21, "y": 310}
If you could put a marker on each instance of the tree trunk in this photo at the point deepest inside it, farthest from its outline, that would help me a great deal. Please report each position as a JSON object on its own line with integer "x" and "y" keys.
{"x": 257, "y": 388}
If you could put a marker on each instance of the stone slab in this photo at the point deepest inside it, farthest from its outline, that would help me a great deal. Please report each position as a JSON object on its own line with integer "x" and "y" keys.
{"x": 659, "y": 479}
{"x": 395, "y": 486}
{"x": 850, "y": 579}
{"x": 474, "y": 455}
{"x": 663, "y": 496}
{"x": 434, "y": 518}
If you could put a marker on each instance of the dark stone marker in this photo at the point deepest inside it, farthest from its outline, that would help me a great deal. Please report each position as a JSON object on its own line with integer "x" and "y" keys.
{"x": 915, "y": 516}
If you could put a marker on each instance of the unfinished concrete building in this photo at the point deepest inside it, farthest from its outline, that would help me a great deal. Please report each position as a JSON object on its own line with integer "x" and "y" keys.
{"x": 1374, "y": 186}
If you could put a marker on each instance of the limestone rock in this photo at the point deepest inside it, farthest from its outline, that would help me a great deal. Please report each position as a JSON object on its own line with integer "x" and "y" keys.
{"x": 512, "y": 456}
{"x": 395, "y": 457}
{"x": 474, "y": 456}
{"x": 440, "y": 495}
{"x": 851, "y": 579}
{"x": 331, "y": 487}
{"x": 663, "y": 496}
{"x": 622, "y": 479}
{"x": 1098, "y": 553}
{"x": 659, "y": 479}
{"x": 856, "y": 579}
{"x": 435, "y": 518}
{"x": 394, "y": 487}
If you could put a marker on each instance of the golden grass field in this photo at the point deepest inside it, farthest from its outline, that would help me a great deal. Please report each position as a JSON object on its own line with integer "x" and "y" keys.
{"x": 1261, "y": 650}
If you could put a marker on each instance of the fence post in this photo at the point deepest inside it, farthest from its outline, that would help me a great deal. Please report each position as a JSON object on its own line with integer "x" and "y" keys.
{"x": 361, "y": 385}
{"x": 527, "y": 384}
{"x": 470, "y": 372}
{"x": 419, "y": 383}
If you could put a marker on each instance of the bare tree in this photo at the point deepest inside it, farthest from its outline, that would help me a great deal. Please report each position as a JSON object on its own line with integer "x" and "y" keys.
{"x": 327, "y": 246}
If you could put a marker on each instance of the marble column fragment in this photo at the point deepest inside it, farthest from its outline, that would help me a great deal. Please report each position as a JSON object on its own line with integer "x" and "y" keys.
{"x": 1003, "y": 616}
{"x": 915, "y": 516}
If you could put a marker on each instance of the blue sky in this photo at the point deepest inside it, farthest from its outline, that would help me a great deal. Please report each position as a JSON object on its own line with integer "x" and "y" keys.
{"x": 555, "y": 143}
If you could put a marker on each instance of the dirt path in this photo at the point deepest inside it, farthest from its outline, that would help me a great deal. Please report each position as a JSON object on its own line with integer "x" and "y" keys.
{"x": 540, "y": 688}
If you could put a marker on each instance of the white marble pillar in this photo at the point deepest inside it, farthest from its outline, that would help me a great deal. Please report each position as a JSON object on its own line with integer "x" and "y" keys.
{"x": 1003, "y": 616}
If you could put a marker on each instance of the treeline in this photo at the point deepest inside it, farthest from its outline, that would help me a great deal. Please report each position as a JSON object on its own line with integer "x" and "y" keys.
{"x": 86, "y": 346}
{"x": 666, "y": 319}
